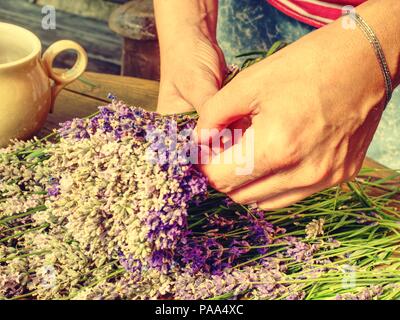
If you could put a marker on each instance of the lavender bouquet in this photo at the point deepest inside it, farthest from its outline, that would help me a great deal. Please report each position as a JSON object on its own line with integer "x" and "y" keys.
{"x": 89, "y": 215}
{"x": 111, "y": 207}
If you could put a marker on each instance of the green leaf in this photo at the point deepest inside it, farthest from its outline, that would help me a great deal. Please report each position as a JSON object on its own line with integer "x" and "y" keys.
{"x": 252, "y": 53}
{"x": 36, "y": 154}
{"x": 275, "y": 48}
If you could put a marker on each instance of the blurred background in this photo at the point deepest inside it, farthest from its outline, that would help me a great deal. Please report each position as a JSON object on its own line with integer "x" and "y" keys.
{"x": 119, "y": 35}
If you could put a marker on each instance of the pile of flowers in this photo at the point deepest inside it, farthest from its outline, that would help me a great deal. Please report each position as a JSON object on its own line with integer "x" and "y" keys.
{"x": 111, "y": 207}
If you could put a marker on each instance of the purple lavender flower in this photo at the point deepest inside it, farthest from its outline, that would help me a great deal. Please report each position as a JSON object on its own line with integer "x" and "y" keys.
{"x": 54, "y": 189}
{"x": 262, "y": 232}
{"x": 129, "y": 263}
{"x": 300, "y": 251}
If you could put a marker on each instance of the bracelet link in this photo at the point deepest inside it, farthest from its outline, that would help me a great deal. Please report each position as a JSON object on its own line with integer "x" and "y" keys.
{"x": 373, "y": 39}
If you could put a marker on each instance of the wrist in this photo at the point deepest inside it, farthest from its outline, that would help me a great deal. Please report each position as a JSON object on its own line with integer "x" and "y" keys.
{"x": 382, "y": 17}
{"x": 185, "y": 21}
{"x": 192, "y": 52}
{"x": 355, "y": 58}
{"x": 185, "y": 40}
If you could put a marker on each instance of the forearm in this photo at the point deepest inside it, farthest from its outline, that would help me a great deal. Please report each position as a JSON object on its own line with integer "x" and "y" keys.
{"x": 384, "y": 18}
{"x": 178, "y": 20}
{"x": 344, "y": 48}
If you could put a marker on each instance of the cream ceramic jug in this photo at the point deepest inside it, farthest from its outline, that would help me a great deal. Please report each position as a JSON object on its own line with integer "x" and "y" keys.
{"x": 28, "y": 82}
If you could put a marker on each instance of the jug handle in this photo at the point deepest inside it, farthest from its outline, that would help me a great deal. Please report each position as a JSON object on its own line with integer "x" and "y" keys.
{"x": 63, "y": 78}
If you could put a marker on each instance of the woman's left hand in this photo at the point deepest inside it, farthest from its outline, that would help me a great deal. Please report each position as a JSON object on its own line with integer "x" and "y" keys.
{"x": 314, "y": 108}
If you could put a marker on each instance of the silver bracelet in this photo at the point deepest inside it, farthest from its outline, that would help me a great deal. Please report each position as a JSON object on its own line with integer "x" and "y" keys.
{"x": 373, "y": 39}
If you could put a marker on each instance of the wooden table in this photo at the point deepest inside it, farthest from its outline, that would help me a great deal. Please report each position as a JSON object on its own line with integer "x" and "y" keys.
{"x": 82, "y": 98}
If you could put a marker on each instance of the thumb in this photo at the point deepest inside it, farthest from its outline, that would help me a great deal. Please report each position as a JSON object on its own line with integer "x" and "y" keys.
{"x": 227, "y": 106}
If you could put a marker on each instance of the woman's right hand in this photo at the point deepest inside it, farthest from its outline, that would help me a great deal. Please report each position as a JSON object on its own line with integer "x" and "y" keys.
{"x": 192, "y": 71}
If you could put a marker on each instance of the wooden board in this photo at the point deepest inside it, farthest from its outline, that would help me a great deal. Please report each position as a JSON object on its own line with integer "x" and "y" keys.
{"x": 82, "y": 97}
{"x": 134, "y": 91}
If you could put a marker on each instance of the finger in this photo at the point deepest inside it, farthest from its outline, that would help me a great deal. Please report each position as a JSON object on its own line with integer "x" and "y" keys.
{"x": 265, "y": 187}
{"x": 257, "y": 154}
{"x": 201, "y": 93}
{"x": 228, "y": 105}
{"x": 286, "y": 199}
{"x": 239, "y": 164}
{"x": 173, "y": 99}
{"x": 240, "y": 125}
{"x": 290, "y": 176}
{"x": 175, "y": 108}
{"x": 172, "y": 104}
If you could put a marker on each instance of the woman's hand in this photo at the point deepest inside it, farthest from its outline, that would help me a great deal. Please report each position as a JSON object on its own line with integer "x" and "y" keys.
{"x": 314, "y": 108}
{"x": 192, "y": 71}
{"x": 192, "y": 64}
